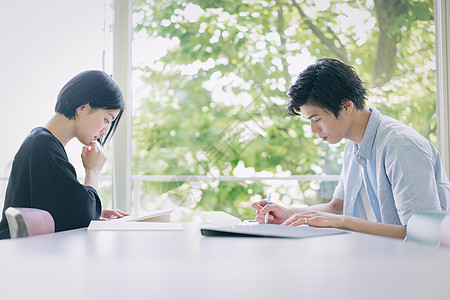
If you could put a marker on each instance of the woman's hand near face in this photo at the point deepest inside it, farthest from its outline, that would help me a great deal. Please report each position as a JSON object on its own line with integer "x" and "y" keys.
{"x": 93, "y": 158}
{"x": 93, "y": 162}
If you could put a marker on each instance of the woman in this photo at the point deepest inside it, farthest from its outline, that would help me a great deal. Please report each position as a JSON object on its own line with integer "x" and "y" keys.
{"x": 88, "y": 108}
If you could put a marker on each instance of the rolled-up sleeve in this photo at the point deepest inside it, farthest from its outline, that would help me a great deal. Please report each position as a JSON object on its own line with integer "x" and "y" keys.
{"x": 411, "y": 171}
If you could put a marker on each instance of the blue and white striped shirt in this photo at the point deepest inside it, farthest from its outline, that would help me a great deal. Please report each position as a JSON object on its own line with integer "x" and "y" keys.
{"x": 402, "y": 170}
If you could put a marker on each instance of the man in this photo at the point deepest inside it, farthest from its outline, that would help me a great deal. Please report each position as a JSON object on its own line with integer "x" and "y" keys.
{"x": 389, "y": 173}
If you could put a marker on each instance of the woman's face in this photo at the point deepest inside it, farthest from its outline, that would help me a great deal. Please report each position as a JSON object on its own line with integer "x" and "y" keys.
{"x": 93, "y": 123}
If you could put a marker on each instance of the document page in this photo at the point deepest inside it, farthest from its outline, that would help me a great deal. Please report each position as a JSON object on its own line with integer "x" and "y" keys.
{"x": 161, "y": 215}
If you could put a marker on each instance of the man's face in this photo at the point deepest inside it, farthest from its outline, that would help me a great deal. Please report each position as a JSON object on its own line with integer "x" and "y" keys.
{"x": 324, "y": 124}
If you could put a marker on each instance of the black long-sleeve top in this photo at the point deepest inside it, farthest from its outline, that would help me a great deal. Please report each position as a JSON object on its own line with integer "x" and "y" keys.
{"x": 42, "y": 177}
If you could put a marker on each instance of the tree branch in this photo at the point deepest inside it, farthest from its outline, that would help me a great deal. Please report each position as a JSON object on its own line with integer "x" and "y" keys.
{"x": 280, "y": 30}
{"x": 340, "y": 52}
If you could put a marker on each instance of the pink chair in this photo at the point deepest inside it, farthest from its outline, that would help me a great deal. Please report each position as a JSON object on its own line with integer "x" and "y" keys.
{"x": 25, "y": 222}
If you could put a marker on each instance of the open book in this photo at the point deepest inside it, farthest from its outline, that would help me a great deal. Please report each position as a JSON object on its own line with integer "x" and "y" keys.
{"x": 161, "y": 215}
{"x": 152, "y": 220}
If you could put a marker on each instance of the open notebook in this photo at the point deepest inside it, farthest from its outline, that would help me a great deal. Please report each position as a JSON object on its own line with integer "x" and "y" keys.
{"x": 152, "y": 220}
{"x": 161, "y": 215}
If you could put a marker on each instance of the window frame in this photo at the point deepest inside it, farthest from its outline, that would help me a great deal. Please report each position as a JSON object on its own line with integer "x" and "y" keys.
{"x": 122, "y": 39}
{"x": 442, "y": 33}
{"x": 121, "y": 162}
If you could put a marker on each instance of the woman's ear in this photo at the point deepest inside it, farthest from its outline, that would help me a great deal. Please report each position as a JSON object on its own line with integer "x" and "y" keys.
{"x": 83, "y": 108}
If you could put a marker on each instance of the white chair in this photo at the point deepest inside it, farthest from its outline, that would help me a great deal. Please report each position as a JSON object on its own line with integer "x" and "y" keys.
{"x": 445, "y": 232}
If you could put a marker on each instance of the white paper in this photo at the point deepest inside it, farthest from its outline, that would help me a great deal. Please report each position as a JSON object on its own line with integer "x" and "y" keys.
{"x": 219, "y": 218}
{"x": 162, "y": 215}
{"x": 133, "y": 226}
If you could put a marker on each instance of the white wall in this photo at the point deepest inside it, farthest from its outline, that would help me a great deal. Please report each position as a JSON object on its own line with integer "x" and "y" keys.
{"x": 43, "y": 44}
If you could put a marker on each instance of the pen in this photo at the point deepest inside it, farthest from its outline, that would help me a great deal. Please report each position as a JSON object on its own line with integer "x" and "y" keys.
{"x": 266, "y": 217}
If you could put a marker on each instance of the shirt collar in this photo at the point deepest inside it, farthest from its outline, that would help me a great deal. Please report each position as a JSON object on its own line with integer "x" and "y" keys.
{"x": 364, "y": 150}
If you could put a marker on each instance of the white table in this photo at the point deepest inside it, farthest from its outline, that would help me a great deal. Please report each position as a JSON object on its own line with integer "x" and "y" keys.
{"x": 186, "y": 265}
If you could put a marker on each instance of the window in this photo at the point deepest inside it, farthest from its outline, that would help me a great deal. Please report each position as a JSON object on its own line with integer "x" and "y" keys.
{"x": 209, "y": 85}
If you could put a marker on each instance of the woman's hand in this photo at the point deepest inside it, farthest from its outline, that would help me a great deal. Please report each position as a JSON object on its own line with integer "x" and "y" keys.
{"x": 113, "y": 214}
{"x": 277, "y": 213}
{"x": 315, "y": 218}
{"x": 93, "y": 162}
{"x": 93, "y": 157}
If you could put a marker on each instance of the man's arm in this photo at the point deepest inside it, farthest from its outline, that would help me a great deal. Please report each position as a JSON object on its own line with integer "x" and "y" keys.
{"x": 364, "y": 226}
{"x": 279, "y": 214}
{"x": 335, "y": 206}
{"x": 330, "y": 215}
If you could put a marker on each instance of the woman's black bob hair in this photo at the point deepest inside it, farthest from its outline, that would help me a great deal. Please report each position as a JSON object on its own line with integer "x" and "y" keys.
{"x": 95, "y": 88}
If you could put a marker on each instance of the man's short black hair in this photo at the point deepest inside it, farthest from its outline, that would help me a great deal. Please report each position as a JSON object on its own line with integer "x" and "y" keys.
{"x": 328, "y": 83}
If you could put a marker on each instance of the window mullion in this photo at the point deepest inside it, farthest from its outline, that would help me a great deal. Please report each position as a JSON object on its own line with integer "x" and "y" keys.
{"x": 122, "y": 37}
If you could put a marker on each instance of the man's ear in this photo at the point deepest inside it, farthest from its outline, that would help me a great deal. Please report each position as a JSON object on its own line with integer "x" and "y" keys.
{"x": 348, "y": 106}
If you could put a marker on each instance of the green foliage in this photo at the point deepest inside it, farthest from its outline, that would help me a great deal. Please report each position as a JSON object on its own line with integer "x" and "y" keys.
{"x": 217, "y": 96}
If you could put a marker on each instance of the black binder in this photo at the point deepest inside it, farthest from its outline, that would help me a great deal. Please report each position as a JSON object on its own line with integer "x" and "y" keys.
{"x": 269, "y": 230}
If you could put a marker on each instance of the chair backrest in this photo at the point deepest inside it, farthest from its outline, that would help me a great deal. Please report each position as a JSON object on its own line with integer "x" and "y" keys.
{"x": 25, "y": 222}
{"x": 445, "y": 232}
{"x": 430, "y": 228}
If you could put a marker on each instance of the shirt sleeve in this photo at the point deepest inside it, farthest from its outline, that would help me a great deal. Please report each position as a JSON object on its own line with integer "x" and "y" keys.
{"x": 72, "y": 204}
{"x": 410, "y": 168}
